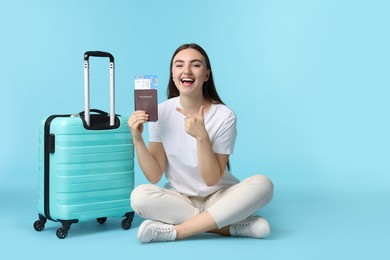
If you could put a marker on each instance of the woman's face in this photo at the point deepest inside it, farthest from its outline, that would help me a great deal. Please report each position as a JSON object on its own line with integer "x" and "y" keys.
{"x": 189, "y": 72}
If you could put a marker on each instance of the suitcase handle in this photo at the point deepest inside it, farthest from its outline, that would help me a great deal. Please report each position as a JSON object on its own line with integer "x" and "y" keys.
{"x": 98, "y": 111}
{"x": 86, "y": 85}
{"x": 98, "y": 54}
{"x": 99, "y": 120}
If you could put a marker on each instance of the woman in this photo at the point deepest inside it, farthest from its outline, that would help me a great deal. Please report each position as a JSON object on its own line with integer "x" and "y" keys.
{"x": 191, "y": 144}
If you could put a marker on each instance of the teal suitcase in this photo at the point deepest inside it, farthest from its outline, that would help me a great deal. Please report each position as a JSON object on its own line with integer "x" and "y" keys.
{"x": 86, "y": 164}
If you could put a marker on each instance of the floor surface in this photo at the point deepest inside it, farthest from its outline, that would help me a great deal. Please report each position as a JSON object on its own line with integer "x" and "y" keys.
{"x": 305, "y": 225}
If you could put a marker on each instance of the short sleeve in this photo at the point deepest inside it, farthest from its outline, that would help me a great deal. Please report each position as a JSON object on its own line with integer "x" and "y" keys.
{"x": 225, "y": 139}
{"x": 154, "y": 134}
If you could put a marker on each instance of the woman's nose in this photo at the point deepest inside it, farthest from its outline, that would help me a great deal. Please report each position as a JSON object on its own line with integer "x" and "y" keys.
{"x": 187, "y": 70}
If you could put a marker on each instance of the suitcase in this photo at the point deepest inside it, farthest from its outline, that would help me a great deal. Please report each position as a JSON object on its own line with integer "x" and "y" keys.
{"x": 86, "y": 164}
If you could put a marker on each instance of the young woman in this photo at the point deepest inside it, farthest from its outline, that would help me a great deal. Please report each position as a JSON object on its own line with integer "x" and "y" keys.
{"x": 191, "y": 144}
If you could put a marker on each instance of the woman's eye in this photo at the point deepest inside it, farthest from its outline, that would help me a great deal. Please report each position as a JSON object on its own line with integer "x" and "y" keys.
{"x": 196, "y": 65}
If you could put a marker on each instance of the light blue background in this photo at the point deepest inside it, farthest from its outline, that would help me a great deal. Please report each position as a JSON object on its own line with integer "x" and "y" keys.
{"x": 308, "y": 80}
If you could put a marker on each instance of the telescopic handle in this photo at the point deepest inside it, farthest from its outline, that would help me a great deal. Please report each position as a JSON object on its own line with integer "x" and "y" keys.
{"x": 86, "y": 85}
{"x": 103, "y": 54}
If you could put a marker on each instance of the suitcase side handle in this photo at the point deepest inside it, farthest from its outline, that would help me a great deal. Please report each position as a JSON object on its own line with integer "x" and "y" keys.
{"x": 86, "y": 85}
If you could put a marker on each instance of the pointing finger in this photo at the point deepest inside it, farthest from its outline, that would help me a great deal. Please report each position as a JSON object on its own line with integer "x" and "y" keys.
{"x": 182, "y": 112}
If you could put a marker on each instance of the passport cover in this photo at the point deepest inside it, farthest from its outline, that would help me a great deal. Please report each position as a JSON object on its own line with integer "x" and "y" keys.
{"x": 146, "y": 100}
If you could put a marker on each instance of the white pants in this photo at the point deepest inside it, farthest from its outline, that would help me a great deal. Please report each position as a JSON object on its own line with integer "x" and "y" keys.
{"x": 226, "y": 206}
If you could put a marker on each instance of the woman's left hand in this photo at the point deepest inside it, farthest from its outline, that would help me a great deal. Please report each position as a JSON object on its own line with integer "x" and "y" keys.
{"x": 194, "y": 124}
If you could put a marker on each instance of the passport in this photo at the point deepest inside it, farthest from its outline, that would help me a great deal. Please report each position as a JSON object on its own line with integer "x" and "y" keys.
{"x": 146, "y": 100}
{"x": 145, "y": 96}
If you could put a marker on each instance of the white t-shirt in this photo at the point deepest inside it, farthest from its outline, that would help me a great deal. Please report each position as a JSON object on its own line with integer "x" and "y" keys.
{"x": 182, "y": 171}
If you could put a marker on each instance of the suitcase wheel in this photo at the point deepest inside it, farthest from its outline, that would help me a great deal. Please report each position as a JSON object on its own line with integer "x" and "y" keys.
{"x": 39, "y": 225}
{"x": 101, "y": 220}
{"x": 62, "y": 232}
{"x": 126, "y": 223}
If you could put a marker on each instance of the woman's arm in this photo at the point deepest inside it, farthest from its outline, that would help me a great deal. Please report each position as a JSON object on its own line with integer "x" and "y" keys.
{"x": 153, "y": 160}
{"x": 211, "y": 165}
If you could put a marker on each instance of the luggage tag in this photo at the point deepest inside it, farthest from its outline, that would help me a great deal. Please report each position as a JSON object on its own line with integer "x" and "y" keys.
{"x": 145, "y": 95}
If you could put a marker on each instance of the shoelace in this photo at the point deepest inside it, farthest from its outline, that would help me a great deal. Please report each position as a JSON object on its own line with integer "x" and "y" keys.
{"x": 244, "y": 229}
{"x": 163, "y": 233}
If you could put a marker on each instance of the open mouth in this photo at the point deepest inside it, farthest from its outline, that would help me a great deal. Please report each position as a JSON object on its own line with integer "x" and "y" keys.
{"x": 187, "y": 81}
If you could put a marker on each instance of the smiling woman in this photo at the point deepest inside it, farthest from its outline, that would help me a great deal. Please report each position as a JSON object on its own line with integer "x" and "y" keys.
{"x": 190, "y": 72}
{"x": 201, "y": 195}
{"x": 209, "y": 90}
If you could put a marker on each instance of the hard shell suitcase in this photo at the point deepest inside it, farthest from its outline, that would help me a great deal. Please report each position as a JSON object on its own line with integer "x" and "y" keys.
{"x": 86, "y": 164}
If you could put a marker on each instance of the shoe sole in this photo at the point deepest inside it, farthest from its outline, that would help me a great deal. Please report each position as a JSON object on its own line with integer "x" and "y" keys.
{"x": 266, "y": 226}
{"x": 142, "y": 228}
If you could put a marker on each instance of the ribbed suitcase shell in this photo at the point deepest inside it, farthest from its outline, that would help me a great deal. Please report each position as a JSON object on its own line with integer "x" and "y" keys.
{"x": 91, "y": 172}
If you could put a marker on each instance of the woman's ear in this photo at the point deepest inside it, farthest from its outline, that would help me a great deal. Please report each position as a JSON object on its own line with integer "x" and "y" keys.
{"x": 207, "y": 75}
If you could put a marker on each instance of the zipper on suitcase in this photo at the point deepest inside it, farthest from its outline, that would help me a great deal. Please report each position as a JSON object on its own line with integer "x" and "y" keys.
{"x": 49, "y": 147}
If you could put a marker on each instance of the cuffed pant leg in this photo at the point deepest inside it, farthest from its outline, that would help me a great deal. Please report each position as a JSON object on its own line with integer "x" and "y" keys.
{"x": 236, "y": 203}
{"x": 156, "y": 203}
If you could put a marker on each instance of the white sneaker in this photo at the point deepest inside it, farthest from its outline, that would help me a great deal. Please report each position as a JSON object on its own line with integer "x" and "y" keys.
{"x": 153, "y": 231}
{"x": 256, "y": 226}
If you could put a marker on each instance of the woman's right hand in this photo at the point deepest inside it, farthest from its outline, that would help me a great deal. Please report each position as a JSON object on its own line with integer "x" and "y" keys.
{"x": 136, "y": 123}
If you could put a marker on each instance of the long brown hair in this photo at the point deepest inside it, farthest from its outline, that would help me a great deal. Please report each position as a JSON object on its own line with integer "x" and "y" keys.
{"x": 209, "y": 90}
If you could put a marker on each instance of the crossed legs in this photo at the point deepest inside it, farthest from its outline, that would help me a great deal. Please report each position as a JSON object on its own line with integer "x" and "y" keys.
{"x": 194, "y": 215}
